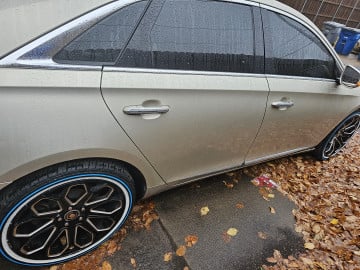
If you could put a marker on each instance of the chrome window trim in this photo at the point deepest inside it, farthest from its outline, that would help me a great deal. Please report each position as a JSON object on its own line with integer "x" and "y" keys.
{"x": 180, "y": 72}
{"x": 288, "y": 77}
{"x": 309, "y": 27}
{"x": 51, "y": 43}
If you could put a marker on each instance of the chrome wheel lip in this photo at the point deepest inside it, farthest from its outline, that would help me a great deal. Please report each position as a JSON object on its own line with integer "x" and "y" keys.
{"x": 7, "y": 252}
{"x": 343, "y": 143}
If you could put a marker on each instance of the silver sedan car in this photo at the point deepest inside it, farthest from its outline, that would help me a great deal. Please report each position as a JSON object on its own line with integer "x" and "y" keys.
{"x": 107, "y": 102}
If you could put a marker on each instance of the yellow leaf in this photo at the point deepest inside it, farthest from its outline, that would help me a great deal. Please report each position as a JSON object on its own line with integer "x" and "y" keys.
{"x": 272, "y": 210}
{"x": 133, "y": 262}
{"x": 271, "y": 195}
{"x": 204, "y": 211}
{"x": 232, "y": 232}
{"x": 106, "y": 266}
{"x": 191, "y": 240}
{"x": 334, "y": 221}
{"x": 181, "y": 251}
{"x": 167, "y": 257}
{"x": 309, "y": 245}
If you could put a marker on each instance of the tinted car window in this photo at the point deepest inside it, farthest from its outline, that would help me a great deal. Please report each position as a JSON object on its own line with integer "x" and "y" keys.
{"x": 103, "y": 42}
{"x": 194, "y": 35}
{"x": 292, "y": 49}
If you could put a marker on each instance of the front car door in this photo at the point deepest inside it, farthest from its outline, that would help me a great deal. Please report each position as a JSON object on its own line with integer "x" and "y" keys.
{"x": 305, "y": 101}
{"x": 189, "y": 88}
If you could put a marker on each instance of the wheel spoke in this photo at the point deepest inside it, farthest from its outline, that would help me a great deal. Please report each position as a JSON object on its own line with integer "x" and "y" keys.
{"x": 31, "y": 227}
{"x": 99, "y": 193}
{"x": 108, "y": 207}
{"x": 83, "y": 237}
{"x": 46, "y": 206}
{"x": 76, "y": 193}
{"x": 59, "y": 245}
{"x": 100, "y": 223}
{"x": 38, "y": 242}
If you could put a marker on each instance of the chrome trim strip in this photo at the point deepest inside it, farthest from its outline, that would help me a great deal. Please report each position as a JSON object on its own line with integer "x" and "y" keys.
{"x": 298, "y": 78}
{"x": 39, "y": 52}
{"x": 279, "y": 155}
{"x": 178, "y": 71}
{"x": 316, "y": 32}
{"x": 246, "y": 2}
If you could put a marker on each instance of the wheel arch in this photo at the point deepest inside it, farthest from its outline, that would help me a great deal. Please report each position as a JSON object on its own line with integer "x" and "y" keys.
{"x": 142, "y": 173}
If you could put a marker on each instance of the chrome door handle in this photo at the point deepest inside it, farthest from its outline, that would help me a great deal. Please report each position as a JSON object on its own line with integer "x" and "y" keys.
{"x": 282, "y": 105}
{"x": 138, "y": 110}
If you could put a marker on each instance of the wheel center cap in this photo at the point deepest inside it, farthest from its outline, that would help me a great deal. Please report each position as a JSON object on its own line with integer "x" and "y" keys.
{"x": 72, "y": 215}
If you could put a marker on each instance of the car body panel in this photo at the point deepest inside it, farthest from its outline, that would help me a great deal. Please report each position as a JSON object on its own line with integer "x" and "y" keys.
{"x": 319, "y": 105}
{"x": 51, "y": 116}
{"x": 198, "y": 134}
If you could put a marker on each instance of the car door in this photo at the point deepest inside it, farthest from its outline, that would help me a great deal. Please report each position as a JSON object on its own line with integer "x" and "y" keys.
{"x": 305, "y": 101}
{"x": 189, "y": 88}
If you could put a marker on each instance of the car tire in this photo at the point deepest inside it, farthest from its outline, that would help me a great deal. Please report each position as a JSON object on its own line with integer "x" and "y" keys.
{"x": 64, "y": 211}
{"x": 338, "y": 138}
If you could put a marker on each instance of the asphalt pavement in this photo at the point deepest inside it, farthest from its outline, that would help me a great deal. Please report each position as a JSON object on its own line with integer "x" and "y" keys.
{"x": 179, "y": 212}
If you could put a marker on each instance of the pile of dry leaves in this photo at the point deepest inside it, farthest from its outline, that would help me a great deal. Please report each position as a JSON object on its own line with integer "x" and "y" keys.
{"x": 328, "y": 198}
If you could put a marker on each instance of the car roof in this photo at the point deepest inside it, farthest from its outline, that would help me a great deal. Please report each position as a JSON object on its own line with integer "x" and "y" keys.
{"x": 21, "y": 27}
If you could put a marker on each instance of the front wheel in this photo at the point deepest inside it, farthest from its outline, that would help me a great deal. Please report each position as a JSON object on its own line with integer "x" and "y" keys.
{"x": 338, "y": 138}
{"x": 64, "y": 211}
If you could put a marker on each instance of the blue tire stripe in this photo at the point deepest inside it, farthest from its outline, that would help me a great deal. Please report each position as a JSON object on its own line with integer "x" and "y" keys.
{"x": 3, "y": 253}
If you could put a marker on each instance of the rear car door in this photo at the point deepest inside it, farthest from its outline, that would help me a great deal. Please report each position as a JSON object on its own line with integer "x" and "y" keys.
{"x": 305, "y": 101}
{"x": 189, "y": 88}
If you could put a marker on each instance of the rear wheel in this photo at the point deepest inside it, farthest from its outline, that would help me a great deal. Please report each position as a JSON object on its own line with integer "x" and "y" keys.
{"x": 338, "y": 138}
{"x": 64, "y": 211}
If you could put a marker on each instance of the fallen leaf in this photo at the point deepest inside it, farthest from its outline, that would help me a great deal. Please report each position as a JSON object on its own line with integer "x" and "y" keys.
{"x": 271, "y": 260}
{"x": 133, "y": 262}
{"x": 309, "y": 245}
{"x": 262, "y": 235}
{"x": 186, "y": 268}
{"x": 240, "y": 206}
{"x": 191, "y": 240}
{"x": 228, "y": 185}
{"x": 106, "y": 266}
{"x": 334, "y": 221}
{"x": 272, "y": 210}
{"x": 271, "y": 195}
{"x": 307, "y": 261}
{"x": 316, "y": 228}
{"x": 181, "y": 251}
{"x": 54, "y": 267}
{"x": 167, "y": 257}
{"x": 232, "y": 232}
{"x": 204, "y": 211}
{"x": 111, "y": 247}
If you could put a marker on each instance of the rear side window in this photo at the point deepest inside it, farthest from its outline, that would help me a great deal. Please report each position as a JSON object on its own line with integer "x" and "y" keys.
{"x": 194, "y": 35}
{"x": 102, "y": 43}
{"x": 292, "y": 49}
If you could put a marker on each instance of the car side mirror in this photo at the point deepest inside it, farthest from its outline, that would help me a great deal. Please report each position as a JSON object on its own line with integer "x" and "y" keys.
{"x": 350, "y": 77}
